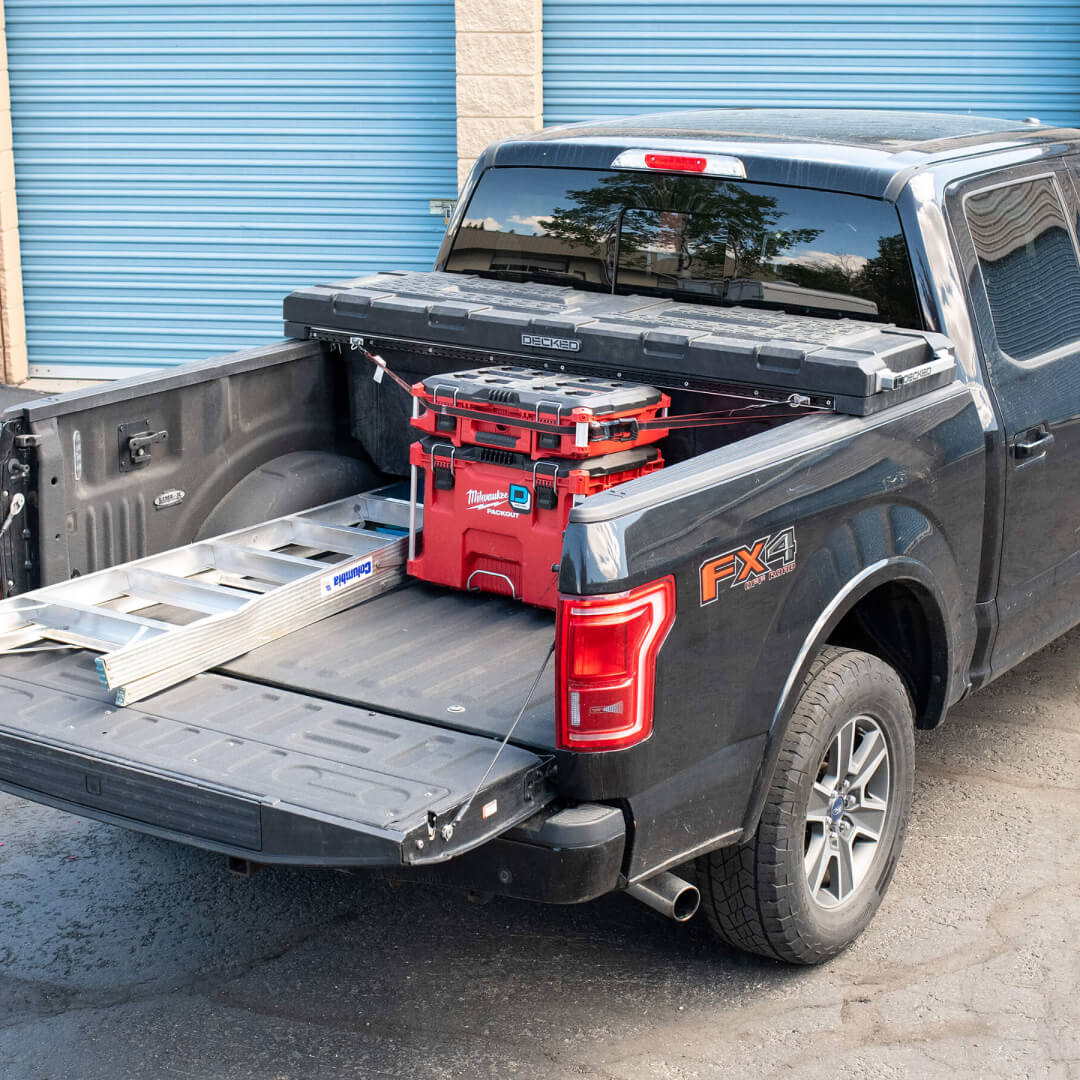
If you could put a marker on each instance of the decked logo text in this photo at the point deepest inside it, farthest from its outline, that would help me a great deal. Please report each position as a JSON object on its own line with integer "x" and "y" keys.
{"x": 564, "y": 344}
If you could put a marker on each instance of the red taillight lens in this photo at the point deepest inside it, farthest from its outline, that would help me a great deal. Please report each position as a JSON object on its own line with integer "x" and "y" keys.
{"x": 676, "y": 162}
{"x": 605, "y": 682}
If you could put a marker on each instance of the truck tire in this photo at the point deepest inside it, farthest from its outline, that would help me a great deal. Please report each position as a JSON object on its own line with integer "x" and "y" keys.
{"x": 809, "y": 881}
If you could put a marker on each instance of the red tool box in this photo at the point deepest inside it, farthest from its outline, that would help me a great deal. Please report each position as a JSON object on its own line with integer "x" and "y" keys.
{"x": 494, "y": 519}
{"x": 540, "y": 413}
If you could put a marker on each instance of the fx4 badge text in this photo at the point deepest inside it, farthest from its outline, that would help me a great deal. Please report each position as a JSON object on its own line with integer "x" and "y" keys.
{"x": 766, "y": 558}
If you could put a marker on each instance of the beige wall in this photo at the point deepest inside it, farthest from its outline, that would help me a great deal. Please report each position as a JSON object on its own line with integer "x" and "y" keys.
{"x": 499, "y": 73}
{"x": 12, "y": 319}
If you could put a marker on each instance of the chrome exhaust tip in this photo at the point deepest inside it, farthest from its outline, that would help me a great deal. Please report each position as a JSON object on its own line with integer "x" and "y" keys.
{"x": 668, "y": 894}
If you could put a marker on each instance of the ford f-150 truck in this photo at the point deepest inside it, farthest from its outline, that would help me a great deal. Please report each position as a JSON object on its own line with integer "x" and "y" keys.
{"x": 802, "y": 585}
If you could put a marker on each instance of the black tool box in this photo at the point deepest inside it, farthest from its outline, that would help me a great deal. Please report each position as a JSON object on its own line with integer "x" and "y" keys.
{"x": 460, "y": 321}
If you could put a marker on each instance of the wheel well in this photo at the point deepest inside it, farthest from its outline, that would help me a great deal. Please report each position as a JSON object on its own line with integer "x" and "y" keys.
{"x": 900, "y": 623}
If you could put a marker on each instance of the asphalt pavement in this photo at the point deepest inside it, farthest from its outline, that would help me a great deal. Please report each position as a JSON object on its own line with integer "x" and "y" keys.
{"x": 124, "y": 957}
{"x": 15, "y": 395}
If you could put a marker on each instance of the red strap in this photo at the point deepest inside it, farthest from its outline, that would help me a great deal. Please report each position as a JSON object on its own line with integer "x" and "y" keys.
{"x": 716, "y": 418}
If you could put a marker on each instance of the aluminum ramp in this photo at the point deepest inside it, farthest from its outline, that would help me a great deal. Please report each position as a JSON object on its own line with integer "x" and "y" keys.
{"x": 164, "y": 618}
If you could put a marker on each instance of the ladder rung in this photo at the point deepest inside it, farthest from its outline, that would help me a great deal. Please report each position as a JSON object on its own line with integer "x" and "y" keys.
{"x": 247, "y": 585}
{"x": 378, "y": 509}
{"x": 183, "y": 592}
{"x": 100, "y": 624}
{"x": 335, "y": 538}
{"x": 268, "y": 565}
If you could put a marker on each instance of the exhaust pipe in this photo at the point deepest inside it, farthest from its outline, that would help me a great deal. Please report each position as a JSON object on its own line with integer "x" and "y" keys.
{"x": 668, "y": 894}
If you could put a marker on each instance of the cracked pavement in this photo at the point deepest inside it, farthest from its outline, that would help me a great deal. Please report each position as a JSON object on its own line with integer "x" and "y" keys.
{"x": 126, "y": 956}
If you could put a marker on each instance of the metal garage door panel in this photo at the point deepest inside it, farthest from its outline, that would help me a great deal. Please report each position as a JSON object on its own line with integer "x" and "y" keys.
{"x": 991, "y": 57}
{"x": 182, "y": 166}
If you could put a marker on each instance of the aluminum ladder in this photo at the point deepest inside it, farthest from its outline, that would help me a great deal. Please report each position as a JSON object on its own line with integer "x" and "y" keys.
{"x": 164, "y": 618}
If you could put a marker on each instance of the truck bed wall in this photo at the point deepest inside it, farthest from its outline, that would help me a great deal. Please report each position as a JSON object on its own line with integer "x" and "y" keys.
{"x": 225, "y": 418}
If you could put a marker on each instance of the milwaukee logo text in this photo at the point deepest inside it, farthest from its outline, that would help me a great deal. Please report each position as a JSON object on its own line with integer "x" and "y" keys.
{"x": 486, "y": 498}
{"x": 766, "y": 558}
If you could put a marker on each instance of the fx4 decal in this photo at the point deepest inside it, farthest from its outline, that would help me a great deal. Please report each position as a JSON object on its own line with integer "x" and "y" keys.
{"x": 766, "y": 558}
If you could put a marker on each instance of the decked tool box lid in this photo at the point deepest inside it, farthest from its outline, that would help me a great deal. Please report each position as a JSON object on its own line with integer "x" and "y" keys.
{"x": 848, "y": 364}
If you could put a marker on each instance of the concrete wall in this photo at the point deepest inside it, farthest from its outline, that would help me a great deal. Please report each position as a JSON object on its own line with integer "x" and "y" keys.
{"x": 500, "y": 80}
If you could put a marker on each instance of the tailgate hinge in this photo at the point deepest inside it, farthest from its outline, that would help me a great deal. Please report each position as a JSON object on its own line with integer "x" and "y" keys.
{"x": 27, "y": 442}
{"x": 537, "y": 777}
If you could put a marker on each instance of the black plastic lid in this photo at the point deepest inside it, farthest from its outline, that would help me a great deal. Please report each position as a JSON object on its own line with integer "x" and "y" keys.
{"x": 548, "y": 391}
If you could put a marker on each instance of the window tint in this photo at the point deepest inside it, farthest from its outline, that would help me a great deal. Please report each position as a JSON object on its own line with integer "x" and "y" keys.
{"x": 691, "y": 237}
{"x": 1029, "y": 266}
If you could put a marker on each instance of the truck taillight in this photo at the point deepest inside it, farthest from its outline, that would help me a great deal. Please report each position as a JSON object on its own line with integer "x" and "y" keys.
{"x": 606, "y": 674}
{"x": 675, "y": 162}
{"x": 709, "y": 164}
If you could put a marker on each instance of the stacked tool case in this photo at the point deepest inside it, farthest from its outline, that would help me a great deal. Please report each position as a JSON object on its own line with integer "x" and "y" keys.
{"x": 507, "y": 452}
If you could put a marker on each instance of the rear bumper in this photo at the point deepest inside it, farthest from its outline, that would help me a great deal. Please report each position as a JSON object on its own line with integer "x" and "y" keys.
{"x": 558, "y": 856}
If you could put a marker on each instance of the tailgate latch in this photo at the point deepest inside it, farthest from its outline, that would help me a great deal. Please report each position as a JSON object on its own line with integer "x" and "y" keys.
{"x": 136, "y": 444}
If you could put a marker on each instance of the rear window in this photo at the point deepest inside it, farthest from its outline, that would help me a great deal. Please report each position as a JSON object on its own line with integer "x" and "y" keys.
{"x": 694, "y": 238}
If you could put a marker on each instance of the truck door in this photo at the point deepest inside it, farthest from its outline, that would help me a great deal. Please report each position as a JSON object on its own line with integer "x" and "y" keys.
{"x": 1015, "y": 233}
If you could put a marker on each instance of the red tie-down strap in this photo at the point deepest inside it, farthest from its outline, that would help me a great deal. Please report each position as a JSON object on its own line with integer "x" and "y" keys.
{"x": 603, "y": 430}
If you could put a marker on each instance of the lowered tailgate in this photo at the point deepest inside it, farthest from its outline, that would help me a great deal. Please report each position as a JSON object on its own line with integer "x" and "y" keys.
{"x": 264, "y": 774}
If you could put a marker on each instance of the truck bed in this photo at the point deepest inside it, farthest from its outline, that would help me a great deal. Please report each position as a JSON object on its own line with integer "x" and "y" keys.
{"x": 460, "y": 660}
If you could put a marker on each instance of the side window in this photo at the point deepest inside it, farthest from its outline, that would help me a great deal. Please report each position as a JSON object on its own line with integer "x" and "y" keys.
{"x": 1029, "y": 266}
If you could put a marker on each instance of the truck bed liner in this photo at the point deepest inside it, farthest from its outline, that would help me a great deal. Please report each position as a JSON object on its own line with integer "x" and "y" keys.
{"x": 420, "y": 652}
{"x": 256, "y": 772}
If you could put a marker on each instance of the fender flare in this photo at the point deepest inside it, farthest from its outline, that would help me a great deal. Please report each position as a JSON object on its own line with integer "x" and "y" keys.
{"x": 893, "y": 569}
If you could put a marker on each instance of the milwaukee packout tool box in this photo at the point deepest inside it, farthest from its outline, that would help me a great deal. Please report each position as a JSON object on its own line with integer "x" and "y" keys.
{"x": 540, "y": 414}
{"x": 423, "y": 323}
{"x": 494, "y": 519}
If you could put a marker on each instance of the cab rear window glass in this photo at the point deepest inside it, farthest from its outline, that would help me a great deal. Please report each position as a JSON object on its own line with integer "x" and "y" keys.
{"x": 1029, "y": 266}
{"x": 695, "y": 238}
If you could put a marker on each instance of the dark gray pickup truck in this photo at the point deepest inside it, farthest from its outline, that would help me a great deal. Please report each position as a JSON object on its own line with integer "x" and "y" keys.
{"x": 887, "y": 306}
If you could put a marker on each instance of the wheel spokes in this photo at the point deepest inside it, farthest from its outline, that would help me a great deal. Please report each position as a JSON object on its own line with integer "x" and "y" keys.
{"x": 844, "y": 744}
{"x": 871, "y": 755}
{"x": 846, "y": 811}
{"x": 818, "y": 856}
{"x": 845, "y": 869}
{"x": 866, "y": 821}
{"x": 821, "y": 798}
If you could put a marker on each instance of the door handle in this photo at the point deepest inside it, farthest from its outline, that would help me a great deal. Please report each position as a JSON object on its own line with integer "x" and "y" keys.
{"x": 1032, "y": 443}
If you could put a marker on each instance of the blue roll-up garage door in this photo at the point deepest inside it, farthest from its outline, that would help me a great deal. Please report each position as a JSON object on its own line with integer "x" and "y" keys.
{"x": 992, "y": 57}
{"x": 181, "y": 164}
